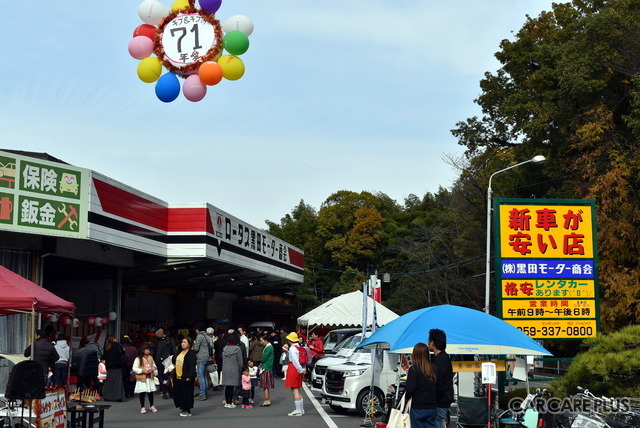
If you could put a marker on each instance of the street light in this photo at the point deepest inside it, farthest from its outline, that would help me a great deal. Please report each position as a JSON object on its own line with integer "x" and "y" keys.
{"x": 535, "y": 159}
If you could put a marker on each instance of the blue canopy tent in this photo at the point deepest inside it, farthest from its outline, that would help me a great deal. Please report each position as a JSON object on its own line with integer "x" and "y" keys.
{"x": 468, "y": 332}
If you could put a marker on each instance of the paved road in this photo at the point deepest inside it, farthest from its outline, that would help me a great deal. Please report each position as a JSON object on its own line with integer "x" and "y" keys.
{"x": 212, "y": 413}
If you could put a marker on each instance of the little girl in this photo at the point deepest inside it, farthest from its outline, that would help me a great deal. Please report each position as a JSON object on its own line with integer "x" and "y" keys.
{"x": 253, "y": 374}
{"x": 145, "y": 369}
{"x": 246, "y": 389}
{"x": 102, "y": 376}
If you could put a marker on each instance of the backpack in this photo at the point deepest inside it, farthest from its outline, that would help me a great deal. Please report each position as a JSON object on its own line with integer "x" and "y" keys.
{"x": 209, "y": 342}
{"x": 303, "y": 355}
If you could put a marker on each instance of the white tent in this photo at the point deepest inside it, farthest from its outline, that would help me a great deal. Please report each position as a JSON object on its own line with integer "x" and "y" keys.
{"x": 346, "y": 311}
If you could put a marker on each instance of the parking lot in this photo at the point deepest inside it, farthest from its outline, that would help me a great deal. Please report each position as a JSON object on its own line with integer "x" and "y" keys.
{"x": 127, "y": 414}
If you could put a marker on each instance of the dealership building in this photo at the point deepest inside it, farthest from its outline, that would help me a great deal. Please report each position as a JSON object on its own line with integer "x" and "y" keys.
{"x": 116, "y": 251}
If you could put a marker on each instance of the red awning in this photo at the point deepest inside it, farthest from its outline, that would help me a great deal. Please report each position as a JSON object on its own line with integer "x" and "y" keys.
{"x": 18, "y": 294}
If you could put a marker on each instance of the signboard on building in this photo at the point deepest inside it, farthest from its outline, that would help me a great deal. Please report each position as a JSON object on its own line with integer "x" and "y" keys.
{"x": 546, "y": 267}
{"x": 42, "y": 197}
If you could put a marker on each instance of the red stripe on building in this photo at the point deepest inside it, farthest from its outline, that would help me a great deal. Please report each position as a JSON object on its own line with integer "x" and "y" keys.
{"x": 188, "y": 220}
{"x": 296, "y": 258}
{"x": 130, "y": 206}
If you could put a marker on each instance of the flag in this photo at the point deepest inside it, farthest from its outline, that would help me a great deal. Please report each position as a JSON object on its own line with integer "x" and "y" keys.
{"x": 376, "y": 290}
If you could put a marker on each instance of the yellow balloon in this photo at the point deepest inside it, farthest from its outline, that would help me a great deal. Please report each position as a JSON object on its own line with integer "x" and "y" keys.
{"x": 149, "y": 69}
{"x": 179, "y": 4}
{"x": 232, "y": 67}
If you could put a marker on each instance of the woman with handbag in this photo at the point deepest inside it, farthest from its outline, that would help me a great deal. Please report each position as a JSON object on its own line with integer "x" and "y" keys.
{"x": 421, "y": 388}
{"x": 184, "y": 376}
{"x": 145, "y": 369}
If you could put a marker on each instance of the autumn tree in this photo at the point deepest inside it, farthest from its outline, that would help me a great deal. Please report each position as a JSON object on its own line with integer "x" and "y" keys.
{"x": 567, "y": 89}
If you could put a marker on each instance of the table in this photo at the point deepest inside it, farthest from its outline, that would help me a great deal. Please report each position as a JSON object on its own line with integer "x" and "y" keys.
{"x": 84, "y": 416}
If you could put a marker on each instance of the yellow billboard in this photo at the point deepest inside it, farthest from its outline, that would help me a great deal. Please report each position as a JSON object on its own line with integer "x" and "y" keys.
{"x": 556, "y": 329}
{"x": 546, "y": 231}
{"x": 541, "y": 309}
{"x": 548, "y": 288}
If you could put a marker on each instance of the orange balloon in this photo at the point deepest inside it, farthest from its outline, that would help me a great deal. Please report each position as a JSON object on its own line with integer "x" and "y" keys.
{"x": 210, "y": 73}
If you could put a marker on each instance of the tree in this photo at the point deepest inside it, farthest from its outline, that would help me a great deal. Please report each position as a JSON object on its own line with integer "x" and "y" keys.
{"x": 609, "y": 365}
{"x": 566, "y": 89}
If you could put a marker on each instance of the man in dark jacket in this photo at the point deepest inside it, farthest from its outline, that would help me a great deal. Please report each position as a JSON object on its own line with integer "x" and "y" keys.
{"x": 164, "y": 349}
{"x": 84, "y": 364}
{"x": 44, "y": 353}
{"x": 276, "y": 341}
{"x": 444, "y": 388}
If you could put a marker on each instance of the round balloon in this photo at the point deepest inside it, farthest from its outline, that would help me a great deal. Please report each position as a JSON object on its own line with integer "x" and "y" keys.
{"x": 210, "y": 73}
{"x": 236, "y": 42}
{"x": 140, "y": 47}
{"x": 232, "y": 67}
{"x": 179, "y": 4}
{"x": 210, "y": 6}
{"x": 151, "y": 12}
{"x": 149, "y": 69}
{"x": 99, "y": 322}
{"x": 112, "y": 316}
{"x": 238, "y": 22}
{"x": 53, "y": 318}
{"x": 193, "y": 89}
{"x": 145, "y": 30}
{"x": 76, "y": 323}
{"x": 167, "y": 87}
{"x": 90, "y": 321}
{"x": 65, "y": 321}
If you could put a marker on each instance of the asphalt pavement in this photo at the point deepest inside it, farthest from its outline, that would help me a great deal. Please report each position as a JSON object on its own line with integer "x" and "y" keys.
{"x": 212, "y": 411}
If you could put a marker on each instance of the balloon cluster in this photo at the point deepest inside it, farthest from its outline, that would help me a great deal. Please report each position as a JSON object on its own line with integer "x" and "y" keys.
{"x": 189, "y": 43}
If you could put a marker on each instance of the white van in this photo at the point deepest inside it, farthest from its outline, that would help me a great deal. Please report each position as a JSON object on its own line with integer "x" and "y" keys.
{"x": 336, "y": 336}
{"x": 343, "y": 351}
{"x": 348, "y": 386}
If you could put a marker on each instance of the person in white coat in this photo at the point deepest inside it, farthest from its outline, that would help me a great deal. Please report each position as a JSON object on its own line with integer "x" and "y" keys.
{"x": 145, "y": 369}
{"x": 61, "y": 367}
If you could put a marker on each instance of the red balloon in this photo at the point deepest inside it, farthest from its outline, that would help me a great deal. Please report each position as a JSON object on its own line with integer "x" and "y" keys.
{"x": 145, "y": 30}
{"x": 90, "y": 321}
{"x": 65, "y": 321}
{"x": 46, "y": 316}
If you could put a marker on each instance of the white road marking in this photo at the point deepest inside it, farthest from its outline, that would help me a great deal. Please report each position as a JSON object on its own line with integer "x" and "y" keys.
{"x": 318, "y": 406}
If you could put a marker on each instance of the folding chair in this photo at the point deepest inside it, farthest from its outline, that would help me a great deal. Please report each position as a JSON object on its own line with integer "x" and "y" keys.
{"x": 472, "y": 411}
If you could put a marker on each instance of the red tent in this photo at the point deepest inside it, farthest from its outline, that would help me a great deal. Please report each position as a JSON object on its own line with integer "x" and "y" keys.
{"x": 18, "y": 294}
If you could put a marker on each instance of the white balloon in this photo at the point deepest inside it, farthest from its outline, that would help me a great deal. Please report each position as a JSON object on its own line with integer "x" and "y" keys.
{"x": 54, "y": 318}
{"x": 75, "y": 323}
{"x": 99, "y": 322}
{"x": 112, "y": 316}
{"x": 238, "y": 22}
{"x": 151, "y": 11}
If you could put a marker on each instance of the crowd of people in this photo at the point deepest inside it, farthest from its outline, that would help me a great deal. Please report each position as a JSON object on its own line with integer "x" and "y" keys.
{"x": 175, "y": 365}
{"x": 234, "y": 360}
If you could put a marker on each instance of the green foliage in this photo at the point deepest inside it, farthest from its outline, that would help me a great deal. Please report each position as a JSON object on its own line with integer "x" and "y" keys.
{"x": 609, "y": 366}
{"x": 567, "y": 89}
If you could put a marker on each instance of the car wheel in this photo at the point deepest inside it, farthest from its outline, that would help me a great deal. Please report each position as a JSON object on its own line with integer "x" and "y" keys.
{"x": 363, "y": 402}
{"x": 337, "y": 409}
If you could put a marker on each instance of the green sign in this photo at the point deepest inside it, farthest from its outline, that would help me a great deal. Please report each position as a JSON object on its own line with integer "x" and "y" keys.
{"x": 43, "y": 197}
{"x": 7, "y": 172}
{"x": 50, "y": 180}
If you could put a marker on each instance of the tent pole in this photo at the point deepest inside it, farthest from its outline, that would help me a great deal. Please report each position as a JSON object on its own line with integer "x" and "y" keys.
{"x": 33, "y": 332}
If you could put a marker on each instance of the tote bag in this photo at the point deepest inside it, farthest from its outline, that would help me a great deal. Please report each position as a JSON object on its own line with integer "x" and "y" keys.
{"x": 399, "y": 418}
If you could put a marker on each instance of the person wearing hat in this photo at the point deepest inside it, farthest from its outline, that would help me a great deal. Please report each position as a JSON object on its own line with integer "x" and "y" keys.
{"x": 295, "y": 372}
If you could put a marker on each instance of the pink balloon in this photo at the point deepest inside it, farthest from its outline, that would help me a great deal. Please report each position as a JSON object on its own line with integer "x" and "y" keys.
{"x": 193, "y": 89}
{"x": 140, "y": 47}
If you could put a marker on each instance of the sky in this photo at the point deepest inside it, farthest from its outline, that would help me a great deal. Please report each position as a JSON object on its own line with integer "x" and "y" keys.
{"x": 358, "y": 95}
